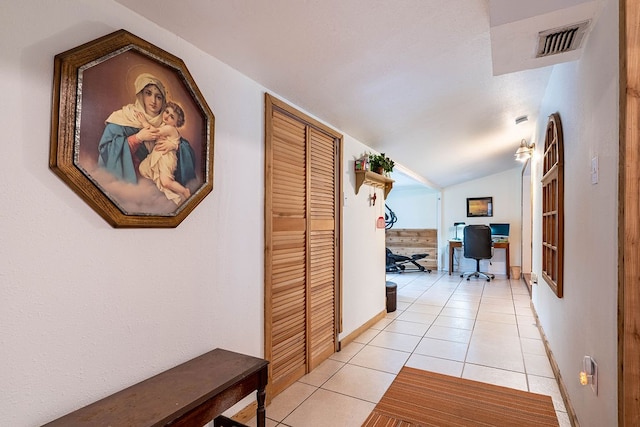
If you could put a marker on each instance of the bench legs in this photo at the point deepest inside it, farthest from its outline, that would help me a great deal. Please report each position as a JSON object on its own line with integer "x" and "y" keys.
{"x": 222, "y": 421}
{"x": 260, "y": 412}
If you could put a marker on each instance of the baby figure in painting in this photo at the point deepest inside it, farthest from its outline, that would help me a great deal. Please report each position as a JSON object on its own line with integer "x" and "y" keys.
{"x": 160, "y": 166}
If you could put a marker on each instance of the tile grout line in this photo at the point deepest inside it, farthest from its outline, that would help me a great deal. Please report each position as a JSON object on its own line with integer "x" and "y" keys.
{"x": 417, "y": 292}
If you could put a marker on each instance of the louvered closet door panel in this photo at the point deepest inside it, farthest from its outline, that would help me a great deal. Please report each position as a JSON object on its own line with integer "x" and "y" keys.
{"x": 289, "y": 252}
{"x": 322, "y": 277}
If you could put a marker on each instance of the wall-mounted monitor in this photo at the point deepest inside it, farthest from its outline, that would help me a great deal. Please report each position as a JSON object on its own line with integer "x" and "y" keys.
{"x": 479, "y": 206}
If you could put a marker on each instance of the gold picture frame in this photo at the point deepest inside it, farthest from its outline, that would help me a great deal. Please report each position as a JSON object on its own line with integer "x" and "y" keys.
{"x": 479, "y": 206}
{"x": 134, "y": 170}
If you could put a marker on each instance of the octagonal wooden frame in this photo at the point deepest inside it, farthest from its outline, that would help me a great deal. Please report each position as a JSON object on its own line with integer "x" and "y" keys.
{"x": 75, "y": 108}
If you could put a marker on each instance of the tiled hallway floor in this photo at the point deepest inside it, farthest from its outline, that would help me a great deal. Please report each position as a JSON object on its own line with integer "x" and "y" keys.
{"x": 483, "y": 331}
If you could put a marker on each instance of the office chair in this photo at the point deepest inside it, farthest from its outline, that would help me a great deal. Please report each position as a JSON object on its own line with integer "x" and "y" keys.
{"x": 477, "y": 245}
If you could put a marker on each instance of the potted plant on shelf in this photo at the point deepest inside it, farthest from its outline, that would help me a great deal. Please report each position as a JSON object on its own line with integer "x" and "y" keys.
{"x": 381, "y": 164}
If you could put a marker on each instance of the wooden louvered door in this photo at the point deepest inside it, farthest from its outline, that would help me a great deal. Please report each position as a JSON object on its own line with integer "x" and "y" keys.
{"x": 288, "y": 263}
{"x": 301, "y": 243}
{"x": 322, "y": 247}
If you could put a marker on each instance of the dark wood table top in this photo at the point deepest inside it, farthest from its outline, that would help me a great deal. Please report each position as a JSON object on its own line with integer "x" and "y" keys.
{"x": 169, "y": 395}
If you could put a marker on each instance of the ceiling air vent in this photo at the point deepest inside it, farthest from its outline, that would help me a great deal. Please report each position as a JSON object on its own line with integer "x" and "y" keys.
{"x": 560, "y": 40}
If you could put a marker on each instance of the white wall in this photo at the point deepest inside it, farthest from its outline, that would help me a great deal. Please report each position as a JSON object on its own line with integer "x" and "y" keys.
{"x": 415, "y": 207}
{"x": 505, "y": 189}
{"x": 583, "y": 322}
{"x": 363, "y": 269}
{"x": 86, "y": 309}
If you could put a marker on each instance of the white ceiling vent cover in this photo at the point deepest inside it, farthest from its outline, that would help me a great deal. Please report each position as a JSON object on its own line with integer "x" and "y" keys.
{"x": 560, "y": 40}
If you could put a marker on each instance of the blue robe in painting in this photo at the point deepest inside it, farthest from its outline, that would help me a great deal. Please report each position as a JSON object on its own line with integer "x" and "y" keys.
{"x": 115, "y": 156}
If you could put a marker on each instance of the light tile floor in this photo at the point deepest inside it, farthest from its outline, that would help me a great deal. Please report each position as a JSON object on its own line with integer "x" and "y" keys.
{"x": 483, "y": 331}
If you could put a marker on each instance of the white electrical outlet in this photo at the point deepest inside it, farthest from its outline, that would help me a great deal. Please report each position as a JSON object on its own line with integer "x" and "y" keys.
{"x": 594, "y": 170}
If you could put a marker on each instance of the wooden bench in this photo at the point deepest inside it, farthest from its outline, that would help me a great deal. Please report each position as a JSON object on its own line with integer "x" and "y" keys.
{"x": 190, "y": 394}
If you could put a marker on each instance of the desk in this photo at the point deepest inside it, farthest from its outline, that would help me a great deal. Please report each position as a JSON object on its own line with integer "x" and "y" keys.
{"x": 453, "y": 244}
{"x": 190, "y": 394}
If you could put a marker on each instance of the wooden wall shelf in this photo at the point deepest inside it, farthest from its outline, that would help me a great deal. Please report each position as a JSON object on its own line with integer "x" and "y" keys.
{"x": 375, "y": 180}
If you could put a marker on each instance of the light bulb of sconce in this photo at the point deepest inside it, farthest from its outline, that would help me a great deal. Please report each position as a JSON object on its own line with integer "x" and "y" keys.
{"x": 524, "y": 151}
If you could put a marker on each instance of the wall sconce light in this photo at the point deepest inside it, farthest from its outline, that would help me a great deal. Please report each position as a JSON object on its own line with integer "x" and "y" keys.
{"x": 525, "y": 151}
{"x": 456, "y": 224}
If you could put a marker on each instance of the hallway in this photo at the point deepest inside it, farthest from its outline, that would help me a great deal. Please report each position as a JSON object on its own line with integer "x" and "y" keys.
{"x": 483, "y": 331}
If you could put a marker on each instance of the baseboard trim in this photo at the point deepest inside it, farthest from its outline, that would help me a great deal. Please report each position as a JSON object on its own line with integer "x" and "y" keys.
{"x": 246, "y": 414}
{"x": 556, "y": 372}
{"x": 249, "y": 411}
{"x": 355, "y": 334}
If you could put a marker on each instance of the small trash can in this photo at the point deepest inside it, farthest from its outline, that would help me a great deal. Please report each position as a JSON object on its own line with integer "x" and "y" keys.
{"x": 392, "y": 290}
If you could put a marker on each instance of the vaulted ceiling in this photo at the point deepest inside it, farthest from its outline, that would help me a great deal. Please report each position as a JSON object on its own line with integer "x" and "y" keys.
{"x": 435, "y": 84}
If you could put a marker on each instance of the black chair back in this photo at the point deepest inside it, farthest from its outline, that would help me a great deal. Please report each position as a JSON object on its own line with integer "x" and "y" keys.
{"x": 477, "y": 242}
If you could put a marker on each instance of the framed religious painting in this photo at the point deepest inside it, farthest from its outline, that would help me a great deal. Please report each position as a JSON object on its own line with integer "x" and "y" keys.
{"x": 131, "y": 133}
